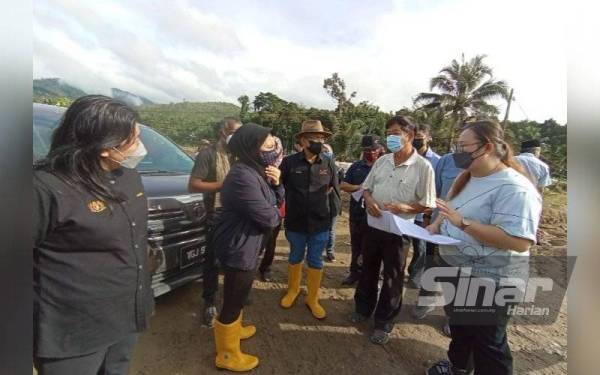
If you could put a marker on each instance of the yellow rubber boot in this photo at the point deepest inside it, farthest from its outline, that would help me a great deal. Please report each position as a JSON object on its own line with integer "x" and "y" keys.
{"x": 247, "y": 331}
{"x": 227, "y": 341}
{"x": 294, "y": 276}
{"x": 313, "y": 283}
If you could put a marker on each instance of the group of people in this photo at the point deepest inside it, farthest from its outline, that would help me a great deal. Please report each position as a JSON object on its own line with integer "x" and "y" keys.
{"x": 480, "y": 194}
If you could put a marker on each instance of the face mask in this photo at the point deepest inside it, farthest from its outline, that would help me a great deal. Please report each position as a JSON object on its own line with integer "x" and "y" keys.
{"x": 464, "y": 159}
{"x": 269, "y": 157}
{"x": 315, "y": 148}
{"x": 228, "y": 138}
{"x": 328, "y": 154}
{"x": 394, "y": 143}
{"x": 132, "y": 160}
{"x": 418, "y": 143}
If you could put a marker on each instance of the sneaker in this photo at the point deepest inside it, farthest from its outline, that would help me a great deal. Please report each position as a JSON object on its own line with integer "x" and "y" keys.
{"x": 266, "y": 276}
{"x": 351, "y": 279}
{"x": 444, "y": 367}
{"x": 420, "y": 312}
{"x": 210, "y": 313}
{"x": 380, "y": 337}
{"x": 357, "y": 318}
{"x": 330, "y": 257}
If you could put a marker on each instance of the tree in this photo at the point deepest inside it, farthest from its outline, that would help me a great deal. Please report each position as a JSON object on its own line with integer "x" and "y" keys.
{"x": 244, "y": 101}
{"x": 464, "y": 89}
{"x": 336, "y": 88}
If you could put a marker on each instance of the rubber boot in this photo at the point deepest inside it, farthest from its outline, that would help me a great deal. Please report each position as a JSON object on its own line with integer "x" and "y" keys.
{"x": 227, "y": 341}
{"x": 294, "y": 276}
{"x": 247, "y": 331}
{"x": 313, "y": 283}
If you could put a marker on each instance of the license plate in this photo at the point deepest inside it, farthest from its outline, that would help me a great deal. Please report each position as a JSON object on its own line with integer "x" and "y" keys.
{"x": 190, "y": 255}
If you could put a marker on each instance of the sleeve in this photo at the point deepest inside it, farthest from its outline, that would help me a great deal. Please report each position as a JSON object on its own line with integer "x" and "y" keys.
{"x": 284, "y": 170}
{"x": 349, "y": 176}
{"x": 545, "y": 179}
{"x": 369, "y": 183}
{"x": 517, "y": 212}
{"x": 202, "y": 165}
{"x": 439, "y": 167}
{"x": 42, "y": 212}
{"x": 426, "y": 187}
{"x": 251, "y": 202}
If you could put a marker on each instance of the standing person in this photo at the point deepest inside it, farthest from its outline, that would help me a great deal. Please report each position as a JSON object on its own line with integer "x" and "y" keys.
{"x": 204, "y": 143}
{"x": 421, "y": 249}
{"x": 494, "y": 210}
{"x": 308, "y": 178}
{"x": 335, "y": 201}
{"x": 210, "y": 169}
{"x": 538, "y": 171}
{"x": 403, "y": 183}
{"x": 249, "y": 196}
{"x": 271, "y": 241}
{"x": 91, "y": 280}
{"x": 356, "y": 175}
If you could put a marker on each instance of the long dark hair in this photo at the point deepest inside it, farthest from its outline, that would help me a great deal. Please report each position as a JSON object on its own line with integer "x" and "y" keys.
{"x": 245, "y": 145}
{"x": 487, "y": 131}
{"x": 92, "y": 124}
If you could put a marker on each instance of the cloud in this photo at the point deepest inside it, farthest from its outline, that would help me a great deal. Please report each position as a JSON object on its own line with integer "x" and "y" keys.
{"x": 387, "y": 52}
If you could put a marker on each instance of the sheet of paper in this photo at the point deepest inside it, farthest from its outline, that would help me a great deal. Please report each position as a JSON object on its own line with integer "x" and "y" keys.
{"x": 357, "y": 194}
{"x": 391, "y": 223}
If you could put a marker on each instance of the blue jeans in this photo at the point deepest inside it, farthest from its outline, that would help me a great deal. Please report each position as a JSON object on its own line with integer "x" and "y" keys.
{"x": 301, "y": 242}
{"x": 331, "y": 241}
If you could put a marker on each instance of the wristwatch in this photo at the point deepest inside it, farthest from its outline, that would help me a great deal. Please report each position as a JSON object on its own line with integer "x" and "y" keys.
{"x": 464, "y": 223}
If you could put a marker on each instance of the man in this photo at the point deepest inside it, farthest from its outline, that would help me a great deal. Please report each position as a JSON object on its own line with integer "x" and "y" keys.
{"x": 401, "y": 182}
{"x": 356, "y": 175}
{"x": 538, "y": 171}
{"x": 308, "y": 178}
{"x": 210, "y": 169}
{"x": 421, "y": 248}
{"x": 335, "y": 204}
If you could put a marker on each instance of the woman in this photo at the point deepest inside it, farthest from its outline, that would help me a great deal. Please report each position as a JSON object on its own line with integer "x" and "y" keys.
{"x": 91, "y": 282}
{"x": 249, "y": 198}
{"x": 494, "y": 210}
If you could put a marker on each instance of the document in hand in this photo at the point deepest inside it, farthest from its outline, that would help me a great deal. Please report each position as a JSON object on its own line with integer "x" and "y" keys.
{"x": 388, "y": 222}
{"x": 357, "y": 194}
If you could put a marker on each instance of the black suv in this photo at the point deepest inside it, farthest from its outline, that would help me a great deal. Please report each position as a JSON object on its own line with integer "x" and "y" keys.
{"x": 176, "y": 221}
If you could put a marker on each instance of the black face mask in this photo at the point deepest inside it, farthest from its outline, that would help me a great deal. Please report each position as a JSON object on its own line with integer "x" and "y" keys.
{"x": 315, "y": 147}
{"x": 464, "y": 159}
{"x": 418, "y": 143}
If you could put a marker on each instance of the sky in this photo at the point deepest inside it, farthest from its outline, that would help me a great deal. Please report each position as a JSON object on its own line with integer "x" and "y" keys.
{"x": 387, "y": 51}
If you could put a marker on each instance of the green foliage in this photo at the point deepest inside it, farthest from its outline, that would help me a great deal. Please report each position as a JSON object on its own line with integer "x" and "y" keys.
{"x": 52, "y": 89}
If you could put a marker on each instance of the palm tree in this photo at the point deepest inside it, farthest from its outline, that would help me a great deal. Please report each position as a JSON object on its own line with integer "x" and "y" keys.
{"x": 464, "y": 90}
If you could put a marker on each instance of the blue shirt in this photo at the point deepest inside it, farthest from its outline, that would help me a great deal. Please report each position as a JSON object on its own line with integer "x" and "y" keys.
{"x": 356, "y": 175}
{"x": 506, "y": 199}
{"x": 538, "y": 171}
{"x": 445, "y": 174}
{"x": 433, "y": 159}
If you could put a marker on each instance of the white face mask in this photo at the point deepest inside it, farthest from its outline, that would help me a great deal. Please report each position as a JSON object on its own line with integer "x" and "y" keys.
{"x": 132, "y": 160}
{"x": 228, "y": 138}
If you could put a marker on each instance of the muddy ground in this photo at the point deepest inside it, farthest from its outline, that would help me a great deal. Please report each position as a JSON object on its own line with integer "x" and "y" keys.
{"x": 293, "y": 342}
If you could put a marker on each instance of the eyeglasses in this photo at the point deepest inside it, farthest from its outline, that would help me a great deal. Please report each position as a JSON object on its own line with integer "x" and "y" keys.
{"x": 461, "y": 148}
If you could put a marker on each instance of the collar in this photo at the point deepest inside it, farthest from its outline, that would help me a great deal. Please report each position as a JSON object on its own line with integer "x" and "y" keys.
{"x": 411, "y": 159}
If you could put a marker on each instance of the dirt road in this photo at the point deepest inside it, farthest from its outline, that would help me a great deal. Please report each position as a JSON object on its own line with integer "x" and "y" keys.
{"x": 292, "y": 342}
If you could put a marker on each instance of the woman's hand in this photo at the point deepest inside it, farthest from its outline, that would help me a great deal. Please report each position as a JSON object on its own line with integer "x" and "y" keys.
{"x": 449, "y": 213}
{"x": 433, "y": 228}
{"x": 273, "y": 174}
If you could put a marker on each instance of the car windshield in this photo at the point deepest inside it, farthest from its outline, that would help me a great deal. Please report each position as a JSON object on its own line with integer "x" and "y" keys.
{"x": 164, "y": 157}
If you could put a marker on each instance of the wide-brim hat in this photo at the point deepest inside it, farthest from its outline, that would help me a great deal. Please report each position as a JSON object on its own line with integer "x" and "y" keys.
{"x": 313, "y": 127}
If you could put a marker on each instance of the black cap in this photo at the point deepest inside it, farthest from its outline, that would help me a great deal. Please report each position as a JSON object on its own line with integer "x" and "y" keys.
{"x": 371, "y": 141}
{"x": 531, "y": 143}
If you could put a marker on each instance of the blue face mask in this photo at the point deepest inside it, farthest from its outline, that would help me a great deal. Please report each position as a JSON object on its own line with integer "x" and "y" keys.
{"x": 394, "y": 143}
{"x": 328, "y": 154}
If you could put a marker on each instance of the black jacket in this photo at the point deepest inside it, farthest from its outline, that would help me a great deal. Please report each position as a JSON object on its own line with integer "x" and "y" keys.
{"x": 249, "y": 212}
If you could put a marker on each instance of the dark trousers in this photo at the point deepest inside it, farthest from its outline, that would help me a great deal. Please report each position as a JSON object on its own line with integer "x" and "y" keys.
{"x": 236, "y": 288}
{"x": 357, "y": 231}
{"x": 388, "y": 248}
{"x": 113, "y": 360}
{"x": 269, "y": 250}
{"x": 210, "y": 268}
{"x": 479, "y": 339}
